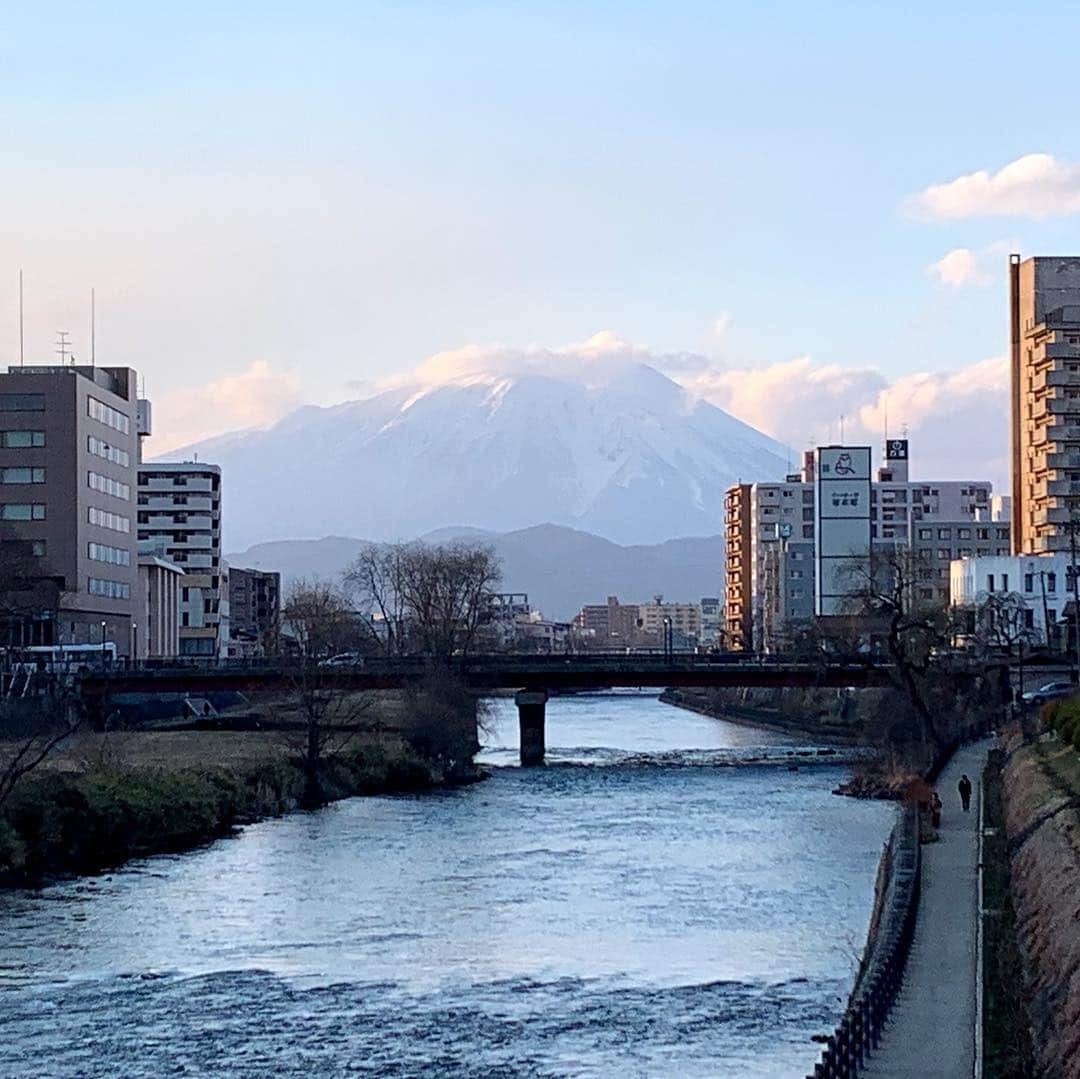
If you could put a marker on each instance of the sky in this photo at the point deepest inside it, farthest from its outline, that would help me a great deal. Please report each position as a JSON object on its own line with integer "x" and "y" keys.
{"x": 803, "y": 210}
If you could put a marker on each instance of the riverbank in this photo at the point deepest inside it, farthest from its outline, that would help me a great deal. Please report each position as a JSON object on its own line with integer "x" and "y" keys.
{"x": 110, "y": 797}
{"x": 836, "y": 716}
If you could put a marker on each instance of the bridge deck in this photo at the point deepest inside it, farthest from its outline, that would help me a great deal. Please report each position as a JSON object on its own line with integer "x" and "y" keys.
{"x": 493, "y": 672}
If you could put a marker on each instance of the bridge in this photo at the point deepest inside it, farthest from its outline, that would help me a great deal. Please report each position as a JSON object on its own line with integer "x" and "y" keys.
{"x": 532, "y": 676}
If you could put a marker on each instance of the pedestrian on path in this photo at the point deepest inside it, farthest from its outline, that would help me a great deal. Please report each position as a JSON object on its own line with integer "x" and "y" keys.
{"x": 935, "y": 809}
{"x": 964, "y": 786}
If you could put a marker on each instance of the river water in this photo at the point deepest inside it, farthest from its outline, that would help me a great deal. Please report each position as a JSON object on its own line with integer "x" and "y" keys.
{"x": 641, "y": 907}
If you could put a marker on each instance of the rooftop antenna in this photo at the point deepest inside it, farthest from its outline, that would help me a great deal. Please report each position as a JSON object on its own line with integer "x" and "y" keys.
{"x": 63, "y": 346}
{"x": 93, "y": 328}
{"x": 22, "y": 360}
{"x": 841, "y": 428}
{"x": 885, "y": 402}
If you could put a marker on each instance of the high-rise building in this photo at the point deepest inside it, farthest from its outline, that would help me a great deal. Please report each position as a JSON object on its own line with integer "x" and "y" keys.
{"x": 254, "y": 611}
{"x": 180, "y": 516}
{"x": 69, "y": 458}
{"x": 1044, "y": 322}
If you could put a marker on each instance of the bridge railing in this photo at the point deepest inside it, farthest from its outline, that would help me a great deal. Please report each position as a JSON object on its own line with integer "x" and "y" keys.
{"x": 859, "y": 1031}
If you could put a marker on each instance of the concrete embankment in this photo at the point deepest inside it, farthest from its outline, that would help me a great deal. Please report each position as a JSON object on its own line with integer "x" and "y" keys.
{"x": 108, "y": 798}
{"x": 842, "y": 716}
{"x": 1041, "y": 794}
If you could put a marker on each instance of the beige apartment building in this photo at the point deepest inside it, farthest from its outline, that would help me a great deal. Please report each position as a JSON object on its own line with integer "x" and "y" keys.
{"x": 179, "y": 517}
{"x": 1044, "y": 309}
{"x": 69, "y": 457}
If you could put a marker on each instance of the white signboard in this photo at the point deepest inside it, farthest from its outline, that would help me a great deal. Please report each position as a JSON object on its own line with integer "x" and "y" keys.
{"x": 841, "y": 525}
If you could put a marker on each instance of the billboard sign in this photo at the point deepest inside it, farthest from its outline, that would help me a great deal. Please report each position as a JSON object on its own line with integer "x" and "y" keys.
{"x": 841, "y": 525}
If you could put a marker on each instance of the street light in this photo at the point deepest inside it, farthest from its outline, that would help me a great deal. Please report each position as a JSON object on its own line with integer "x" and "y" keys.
{"x": 134, "y": 641}
{"x": 103, "y": 644}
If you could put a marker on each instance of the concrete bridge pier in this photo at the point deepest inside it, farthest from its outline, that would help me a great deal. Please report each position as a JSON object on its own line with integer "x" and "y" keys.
{"x": 530, "y": 704}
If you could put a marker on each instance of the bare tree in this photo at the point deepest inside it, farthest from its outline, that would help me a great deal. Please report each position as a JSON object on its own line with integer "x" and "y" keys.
{"x": 427, "y": 598}
{"x": 30, "y": 729}
{"x": 888, "y": 593}
{"x": 321, "y": 713}
{"x": 316, "y": 616}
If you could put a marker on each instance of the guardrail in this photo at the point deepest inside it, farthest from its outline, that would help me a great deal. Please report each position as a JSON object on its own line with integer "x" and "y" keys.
{"x": 858, "y": 1033}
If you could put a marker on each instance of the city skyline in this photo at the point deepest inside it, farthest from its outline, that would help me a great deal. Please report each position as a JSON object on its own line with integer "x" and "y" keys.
{"x": 341, "y": 197}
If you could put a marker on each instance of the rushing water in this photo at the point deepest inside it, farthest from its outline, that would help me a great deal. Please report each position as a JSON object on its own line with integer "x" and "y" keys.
{"x": 640, "y": 909}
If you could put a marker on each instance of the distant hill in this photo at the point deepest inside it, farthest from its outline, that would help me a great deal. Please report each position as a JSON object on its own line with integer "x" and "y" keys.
{"x": 560, "y": 568}
{"x": 612, "y": 447}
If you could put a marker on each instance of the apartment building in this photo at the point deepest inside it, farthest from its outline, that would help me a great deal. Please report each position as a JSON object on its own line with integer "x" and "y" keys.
{"x": 254, "y": 611}
{"x": 638, "y": 625}
{"x": 179, "y": 514}
{"x": 1044, "y": 318}
{"x": 155, "y": 627}
{"x": 773, "y": 560}
{"x": 69, "y": 458}
{"x": 1043, "y": 582}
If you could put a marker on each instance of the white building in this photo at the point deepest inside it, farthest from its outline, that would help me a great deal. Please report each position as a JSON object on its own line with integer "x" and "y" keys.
{"x": 155, "y": 628}
{"x": 1043, "y": 581}
{"x": 180, "y": 514}
{"x": 771, "y": 537}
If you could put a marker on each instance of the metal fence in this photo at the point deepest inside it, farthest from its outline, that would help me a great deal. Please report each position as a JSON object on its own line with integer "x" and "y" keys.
{"x": 859, "y": 1031}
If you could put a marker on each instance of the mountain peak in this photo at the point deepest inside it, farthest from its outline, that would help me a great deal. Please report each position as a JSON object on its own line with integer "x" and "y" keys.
{"x": 605, "y": 443}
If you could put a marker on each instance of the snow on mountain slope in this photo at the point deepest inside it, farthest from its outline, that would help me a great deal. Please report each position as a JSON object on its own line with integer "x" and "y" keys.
{"x": 614, "y": 448}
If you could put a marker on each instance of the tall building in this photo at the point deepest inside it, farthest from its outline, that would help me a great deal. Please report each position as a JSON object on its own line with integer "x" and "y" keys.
{"x": 180, "y": 517}
{"x": 69, "y": 458}
{"x": 254, "y": 611}
{"x": 774, "y": 561}
{"x": 1044, "y": 322}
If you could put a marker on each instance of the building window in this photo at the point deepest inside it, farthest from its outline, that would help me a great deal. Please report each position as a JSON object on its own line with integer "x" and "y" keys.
{"x": 1029, "y": 582}
{"x": 108, "y": 486}
{"x": 963, "y": 533}
{"x": 22, "y": 475}
{"x": 989, "y": 582}
{"x": 944, "y": 553}
{"x": 926, "y": 533}
{"x": 105, "y": 519}
{"x": 1004, "y": 582}
{"x": 109, "y": 589}
{"x": 1051, "y": 582}
{"x": 22, "y": 402}
{"x": 944, "y": 533}
{"x": 36, "y": 547}
{"x": 22, "y": 440}
{"x": 22, "y": 511}
{"x": 111, "y": 453}
{"x": 115, "y": 556}
{"x": 103, "y": 413}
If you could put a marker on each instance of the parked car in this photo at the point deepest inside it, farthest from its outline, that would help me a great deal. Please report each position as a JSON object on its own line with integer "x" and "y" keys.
{"x": 1048, "y": 692}
{"x": 343, "y": 659}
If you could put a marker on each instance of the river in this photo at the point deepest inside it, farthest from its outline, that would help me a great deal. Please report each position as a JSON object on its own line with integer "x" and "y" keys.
{"x": 643, "y": 906}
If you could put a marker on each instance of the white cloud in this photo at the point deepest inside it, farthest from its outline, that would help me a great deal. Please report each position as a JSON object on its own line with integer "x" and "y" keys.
{"x": 1035, "y": 185}
{"x": 254, "y": 398}
{"x": 959, "y": 267}
{"x": 957, "y": 420}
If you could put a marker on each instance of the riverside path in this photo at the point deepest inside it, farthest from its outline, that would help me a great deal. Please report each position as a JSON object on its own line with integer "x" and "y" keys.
{"x": 931, "y": 1030}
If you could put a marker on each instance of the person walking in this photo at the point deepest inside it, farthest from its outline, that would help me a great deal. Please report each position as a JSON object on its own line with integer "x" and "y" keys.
{"x": 935, "y": 810}
{"x": 964, "y": 786}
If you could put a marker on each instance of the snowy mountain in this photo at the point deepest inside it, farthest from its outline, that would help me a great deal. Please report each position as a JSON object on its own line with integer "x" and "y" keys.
{"x": 613, "y": 448}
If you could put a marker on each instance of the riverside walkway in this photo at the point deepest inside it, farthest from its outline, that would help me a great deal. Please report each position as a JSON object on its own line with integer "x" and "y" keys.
{"x": 931, "y": 1031}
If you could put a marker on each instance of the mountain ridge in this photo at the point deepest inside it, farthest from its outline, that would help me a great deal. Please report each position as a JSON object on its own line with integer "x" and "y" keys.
{"x": 560, "y": 568}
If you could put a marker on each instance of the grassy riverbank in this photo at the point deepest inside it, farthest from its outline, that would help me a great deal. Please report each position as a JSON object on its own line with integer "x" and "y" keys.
{"x": 108, "y": 798}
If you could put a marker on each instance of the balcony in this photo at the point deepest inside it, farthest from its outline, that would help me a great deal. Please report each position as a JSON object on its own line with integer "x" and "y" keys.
{"x": 1066, "y": 459}
{"x": 1055, "y": 376}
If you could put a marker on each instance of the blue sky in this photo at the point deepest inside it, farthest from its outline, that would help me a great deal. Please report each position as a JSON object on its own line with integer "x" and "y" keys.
{"x": 335, "y": 191}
